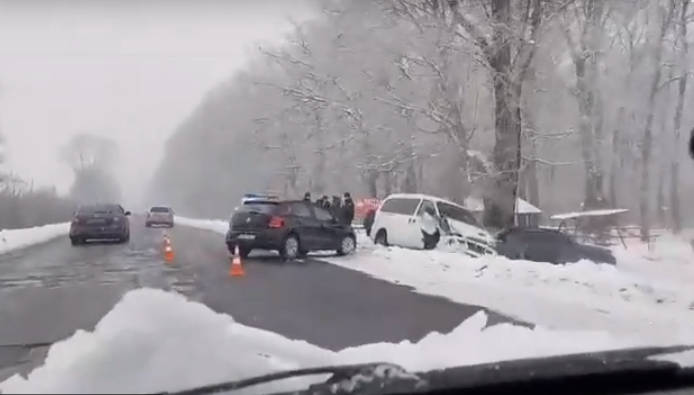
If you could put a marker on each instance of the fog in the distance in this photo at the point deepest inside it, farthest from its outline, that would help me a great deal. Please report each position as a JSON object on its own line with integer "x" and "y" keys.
{"x": 127, "y": 71}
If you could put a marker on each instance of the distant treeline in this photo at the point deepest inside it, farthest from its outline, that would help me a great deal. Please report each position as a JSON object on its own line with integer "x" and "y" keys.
{"x": 23, "y": 206}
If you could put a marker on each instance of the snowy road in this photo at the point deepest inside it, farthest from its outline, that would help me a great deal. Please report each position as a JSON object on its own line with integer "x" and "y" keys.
{"x": 49, "y": 291}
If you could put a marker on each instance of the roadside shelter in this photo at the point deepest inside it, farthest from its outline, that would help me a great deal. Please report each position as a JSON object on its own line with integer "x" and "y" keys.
{"x": 527, "y": 215}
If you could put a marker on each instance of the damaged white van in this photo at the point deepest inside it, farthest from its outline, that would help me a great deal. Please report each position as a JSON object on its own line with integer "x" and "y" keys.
{"x": 399, "y": 222}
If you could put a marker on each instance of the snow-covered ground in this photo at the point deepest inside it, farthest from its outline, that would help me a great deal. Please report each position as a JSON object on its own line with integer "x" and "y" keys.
{"x": 153, "y": 341}
{"x": 649, "y": 293}
{"x": 156, "y": 341}
{"x": 14, "y": 239}
{"x": 215, "y": 225}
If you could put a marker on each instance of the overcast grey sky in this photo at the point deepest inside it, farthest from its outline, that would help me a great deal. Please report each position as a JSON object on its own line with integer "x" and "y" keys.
{"x": 131, "y": 70}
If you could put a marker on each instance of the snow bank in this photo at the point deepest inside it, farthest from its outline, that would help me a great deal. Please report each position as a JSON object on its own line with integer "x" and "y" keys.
{"x": 215, "y": 225}
{"x": 14, "y": 239}
{"x": 649, "y": 292}
{"x": 670, "y": 259}
{"x": 578, "y": 296}
{"x": 156, "y": 341}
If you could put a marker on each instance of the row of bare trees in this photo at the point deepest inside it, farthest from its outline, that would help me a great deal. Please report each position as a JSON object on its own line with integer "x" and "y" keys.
{"x": 24, "y": 206}
{"x": 91, "y": 159}
{"x": 563, "y": 102}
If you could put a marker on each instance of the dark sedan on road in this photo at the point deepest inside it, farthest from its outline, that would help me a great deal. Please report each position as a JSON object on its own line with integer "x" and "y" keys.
{"x": 292, "y": 227}
{"x": 548, "y": 245}
{"x": 100, "y": 222}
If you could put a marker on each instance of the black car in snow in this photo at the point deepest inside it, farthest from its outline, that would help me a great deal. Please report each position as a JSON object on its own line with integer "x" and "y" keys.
{"x": 292, "y": 227}
{"x": 101, "y": 221}
{"x": 548, "y": 245}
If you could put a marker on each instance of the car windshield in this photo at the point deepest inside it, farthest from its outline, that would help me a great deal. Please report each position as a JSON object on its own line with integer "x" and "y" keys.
{"x": 100, "y": 209}
{"x": 340, "y": 170}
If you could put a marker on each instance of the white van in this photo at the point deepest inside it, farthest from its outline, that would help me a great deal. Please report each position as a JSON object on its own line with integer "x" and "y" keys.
{"x": 397, "y": 222}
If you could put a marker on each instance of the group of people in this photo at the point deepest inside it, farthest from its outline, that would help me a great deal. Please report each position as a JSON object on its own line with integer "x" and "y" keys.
{"x": 341, "y": 208}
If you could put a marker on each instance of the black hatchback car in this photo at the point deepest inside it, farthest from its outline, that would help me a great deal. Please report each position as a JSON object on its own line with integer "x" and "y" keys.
{"x": 292, "y": 227}
{"x": 100, "y": 222}
{"x": 548, "y": 245}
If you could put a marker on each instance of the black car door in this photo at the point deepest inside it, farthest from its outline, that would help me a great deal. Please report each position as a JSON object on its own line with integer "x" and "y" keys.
{"x": 306, "y": 225}
{"x": 330, "y": 229}
{"x": 550, "y": 246}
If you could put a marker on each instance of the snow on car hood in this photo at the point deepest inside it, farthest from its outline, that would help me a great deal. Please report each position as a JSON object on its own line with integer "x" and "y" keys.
{"x": 471, "y": 231}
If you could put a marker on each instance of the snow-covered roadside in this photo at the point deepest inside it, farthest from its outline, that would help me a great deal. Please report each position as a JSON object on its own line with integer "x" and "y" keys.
{"x": 643, "y": 294}
{"x": 670, "y": 259}
{"x": 215, "y": 225}
{"x": 14, "y": 239}
{"x": 579, "y": 296}
{"x": 154, "y": 341}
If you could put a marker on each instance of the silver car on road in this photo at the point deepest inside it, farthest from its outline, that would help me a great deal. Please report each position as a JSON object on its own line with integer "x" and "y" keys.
{"x": 160, "y": 216}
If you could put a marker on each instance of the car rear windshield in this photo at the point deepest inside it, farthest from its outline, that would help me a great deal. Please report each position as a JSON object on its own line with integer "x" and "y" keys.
{"x": 160, "y": 210}
{"x": 258, "y": 207}
{"x": 101, "y": 209}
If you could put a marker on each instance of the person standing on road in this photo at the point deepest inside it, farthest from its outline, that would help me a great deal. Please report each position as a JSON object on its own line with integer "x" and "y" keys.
{"x": 348, "y": 208}
{"x": 336, "y": 209}
{"x": 369, "y": 221}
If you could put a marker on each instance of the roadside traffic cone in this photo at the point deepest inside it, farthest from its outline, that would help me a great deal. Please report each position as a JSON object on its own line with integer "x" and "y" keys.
{"x": 236, "y": 269}
{"x": 168, "y": 251}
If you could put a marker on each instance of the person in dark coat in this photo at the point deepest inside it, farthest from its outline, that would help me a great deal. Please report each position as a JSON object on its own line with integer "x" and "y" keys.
{"x": 336, "y": 209}
{"x": 348, "y": 208}
{"x": 369, "y": 221}
{"x": 325, "y": 202}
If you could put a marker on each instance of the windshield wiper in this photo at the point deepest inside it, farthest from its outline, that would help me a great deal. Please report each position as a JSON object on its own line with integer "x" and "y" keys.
{"x": 345, "y": 377}
{"x": 609, "y": 372}
{"x": 28, "y": 345}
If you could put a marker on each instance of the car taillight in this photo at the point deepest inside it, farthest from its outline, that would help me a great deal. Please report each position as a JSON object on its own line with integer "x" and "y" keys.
{"x": 276, "y": 222}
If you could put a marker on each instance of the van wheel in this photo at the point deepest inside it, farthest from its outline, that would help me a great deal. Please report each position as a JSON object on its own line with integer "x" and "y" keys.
{"x": 75, "y": 241}
{"x": 381, "y": 238}
{"x": 290, "y": 248}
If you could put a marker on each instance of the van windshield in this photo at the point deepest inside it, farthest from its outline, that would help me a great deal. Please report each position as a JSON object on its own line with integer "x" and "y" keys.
{"x": 456, "y": 213}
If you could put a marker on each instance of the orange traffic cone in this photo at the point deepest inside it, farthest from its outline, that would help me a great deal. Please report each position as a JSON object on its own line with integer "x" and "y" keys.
{"x": 236, "y": 269}
{"x": 168, "y": 251}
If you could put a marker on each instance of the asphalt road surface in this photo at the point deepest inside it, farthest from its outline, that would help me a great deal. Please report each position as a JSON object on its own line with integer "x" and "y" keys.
{"x": 49, "y": 291}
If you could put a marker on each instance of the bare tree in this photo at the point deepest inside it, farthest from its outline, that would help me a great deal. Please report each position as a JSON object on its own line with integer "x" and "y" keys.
{"x": 91, "y": 159}
{"x": 682, "y": 47}
{"x": 663, "y": 16}
{"x": 88, "y": 150}
{"x": 450, "y": 98}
